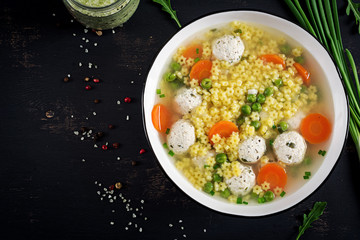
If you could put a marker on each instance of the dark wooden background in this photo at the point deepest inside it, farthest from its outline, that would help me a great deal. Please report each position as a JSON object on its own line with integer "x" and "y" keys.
{"x": 47, "y": 190}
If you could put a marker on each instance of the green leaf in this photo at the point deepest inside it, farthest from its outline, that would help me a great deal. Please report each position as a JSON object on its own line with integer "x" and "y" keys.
{"x": 166, "y": 6}
{"x": 314, "y": 214}
{"x": 354, "y": 7}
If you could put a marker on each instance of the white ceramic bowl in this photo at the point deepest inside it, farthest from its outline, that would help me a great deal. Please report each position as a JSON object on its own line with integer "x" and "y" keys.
{"x": 325, "y": 69}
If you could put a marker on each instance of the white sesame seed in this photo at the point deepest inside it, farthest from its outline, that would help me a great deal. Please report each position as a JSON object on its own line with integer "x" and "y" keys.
{"x": 118, "y": 158}
{"x": 85, "y": 30}
{"x": 111, "y": 200}
{"x": 72, "y": 20}
{"x": 99, "y": 185}
{"x": 83, "y": 39}
{"x": 82, "y": 138}
{"x": 96, "y": 66}
{"x": 140, "y": 229}
{"x": 76, "y": 133}
{"x": 98, "y": 192}
{"x": 129, "y": 223}
{"x": 142, "y": 201}
{"x": 135, "y": 225}
{"x": 170, "y": 225}
{"x": 95, "y": 44}
{"x": 80, "y": 64}
{"x": 204, "y": 230}
{"x": 83, "y": 160}
{"x": 86, "y": 50}
{"x": 87, "y": 40}
{"x": 184, "y": 235}
{"x": 118, "y": 102}
{"x": 132, "y": 82}
{"x": 145, "y": 218}
{"x": 95, "y": 146}
{"x": 87, "y": 118}
{"x": 68, "y": 75}
{"x": 182, "y": 228}
{"x": 127, "y": 117}
{"x": 94, "y": 113}
{"x": 139, "y": 74}
{"x": 134, "y": 215}
{"x": 126, "y": 228}
{"x": 72, "y": 116}
{"x": 95, "y": 182}
{"x": 53, "y": 14}
{"x": 81, "y": 46}
{"x": 111, "y": 223}
{"x": 180, "y": 221}
{"x": 107, "y": 143}
{"x": 112, "y": 210}
{"x": 101, "y": 199}
{"x": 113, "y": 31}
{"x": 74, "y": 34}
{"x": 136, "y": 209}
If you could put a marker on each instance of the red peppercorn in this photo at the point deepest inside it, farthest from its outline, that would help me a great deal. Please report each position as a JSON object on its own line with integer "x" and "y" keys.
{"x": 111, "y": 126}
{"x": 111, "y": 187}
{"x": 116, "y": 145}
{"x": 87, "y": 87}
{"x": 96, "y": 80}
{"x": 104, "y": 147}
{"x": 127, "y": 99}
{"x": 142, "y": 151}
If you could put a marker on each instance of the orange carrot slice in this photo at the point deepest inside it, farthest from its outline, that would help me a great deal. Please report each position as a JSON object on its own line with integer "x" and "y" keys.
{"x": 273, "y": 58}
{"x": 303, "y": 73}
{"x": 273, "y": 174}
{"x": 223, "y": 128}
{"x": 193, "y": 51}
{"x": 201, "y": 70}
{"x": 315, "y": 128}
{"x": 161, "y": 118}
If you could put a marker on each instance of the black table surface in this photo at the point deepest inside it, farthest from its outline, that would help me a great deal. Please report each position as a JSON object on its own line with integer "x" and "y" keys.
{"x": 52, "y": 182}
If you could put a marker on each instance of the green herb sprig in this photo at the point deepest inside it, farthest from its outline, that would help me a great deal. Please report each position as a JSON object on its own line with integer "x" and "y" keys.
{"x": 166, "y": 6}
{"x": 314, "y": 214}
{"x": 354, "y": 7}
{"x": 323, "y": 23}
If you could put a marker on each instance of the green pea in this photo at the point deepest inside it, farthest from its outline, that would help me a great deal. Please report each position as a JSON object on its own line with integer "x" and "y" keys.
{"x": 256, "y": 107}
{"x": 170, "y": 77}
{"x": 282, "y": 126}
{"x": 217, "y": 178}
{"x": 175, "y": 66}
{"x": 256, "y": 124}
{"x": 285, "y": 49}
{"x": 220, "y": 158}
{"x": 246, "y": 110}
{"x": 261, "y": 98}
{"x": 269, "y": 196}
{"x": 278, "y": 82}
{"x": 176, "y": 84}
{"x": 240, "y": 120}
{"x": 251, "y": 98}
{"x": 268, "y": 91}
{"x": 206, "y": 83}
{"x": 226, "y": 193}
{"x": 261, "y": 200}
{"x": 208, "y": 187}
{"x": 299, "y": 60}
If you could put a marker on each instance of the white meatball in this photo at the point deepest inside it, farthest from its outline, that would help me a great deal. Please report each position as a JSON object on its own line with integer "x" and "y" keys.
{"x": 229, "y": 48}
{"x": 252, "y": 149}
{"x": 294, "y": 122}
{"x": 186, "y": 99}
{"x": 290, "y": 148}
{"x": 242, "y": 184}
{"x": 200, "y": 161}
{"x": 181, "y": 136}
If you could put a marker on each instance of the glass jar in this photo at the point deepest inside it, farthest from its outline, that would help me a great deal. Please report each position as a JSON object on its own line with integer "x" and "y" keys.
{"x": 101, "y": 14}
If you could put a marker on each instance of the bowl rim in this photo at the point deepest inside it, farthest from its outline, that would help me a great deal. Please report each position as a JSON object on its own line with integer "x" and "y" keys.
{"x": 338, "y": 76}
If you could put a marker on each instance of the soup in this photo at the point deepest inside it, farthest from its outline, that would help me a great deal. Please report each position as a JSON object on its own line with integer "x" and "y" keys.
{"x": 240, "y": 114}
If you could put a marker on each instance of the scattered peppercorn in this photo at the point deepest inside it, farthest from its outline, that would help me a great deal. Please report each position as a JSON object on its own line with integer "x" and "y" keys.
{"x": 96, "y": 80}
{"x": 99, "y": 33}
{"x": 111, "y": 187}
{"x": 111, "y": 126}
{"x": 104, "y": 147}
{"x": 142, "y": 151}
{"x": 50, "y": 114}
{"x": 133, "y": 163}
{"x": 116, "y": 145}
{"x": 118, "y": 185}
{"x": 127, "y": 100}
{"x": 86, "y": 79}
{"x": 84, "y": 129}
{"x": 66, "y": 79}
{"x": 87, "y": 87}
{"x": 100, "y": 134}
{"x": 96, "y": 101}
